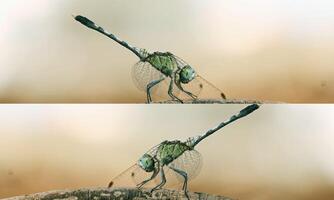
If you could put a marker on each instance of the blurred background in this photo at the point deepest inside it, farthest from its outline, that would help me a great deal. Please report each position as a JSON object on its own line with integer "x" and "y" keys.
{"x": 276, "y": 50}
{"x": 277, "y": 152}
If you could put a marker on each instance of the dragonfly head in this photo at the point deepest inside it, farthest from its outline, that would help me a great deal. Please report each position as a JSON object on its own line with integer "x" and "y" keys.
{"x": 147, "y": 163}
{"x": 187, "y": 74}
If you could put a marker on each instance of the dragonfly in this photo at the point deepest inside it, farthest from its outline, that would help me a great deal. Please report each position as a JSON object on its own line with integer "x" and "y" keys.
{"x": 180, "y": 158}
{"x": 158, "y": 70}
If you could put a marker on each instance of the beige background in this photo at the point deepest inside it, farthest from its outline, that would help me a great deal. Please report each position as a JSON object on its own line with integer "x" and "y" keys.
{"x": 278, "y": 152}
{"x": 276, "y": 50}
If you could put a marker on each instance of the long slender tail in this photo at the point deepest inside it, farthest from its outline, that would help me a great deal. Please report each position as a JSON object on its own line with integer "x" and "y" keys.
{"x": 244, "y": 112}
{"x": 90, "y": 24}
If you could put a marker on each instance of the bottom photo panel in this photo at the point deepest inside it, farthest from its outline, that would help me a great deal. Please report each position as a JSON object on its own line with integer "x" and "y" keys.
{"x": 119, "y": 151}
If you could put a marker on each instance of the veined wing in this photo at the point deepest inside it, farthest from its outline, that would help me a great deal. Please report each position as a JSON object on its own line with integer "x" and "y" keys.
{"x": 199, "y": 86}
{"x": 189, "y": 162}
{"x": 207, "y": 89}
{"x": 144, "y": 73}
{"x": 124, "y": 179}
{"x": 132, "y": 176}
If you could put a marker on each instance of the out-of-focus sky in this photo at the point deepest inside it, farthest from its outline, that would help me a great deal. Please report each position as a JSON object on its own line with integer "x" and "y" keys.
{"x": 276, "y": 50}
{"x": 277, "y": 152}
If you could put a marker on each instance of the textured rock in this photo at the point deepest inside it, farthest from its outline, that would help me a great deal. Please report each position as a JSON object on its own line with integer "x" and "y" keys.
{"x": 115, "y": 193}
{"x": 215, "y": 101}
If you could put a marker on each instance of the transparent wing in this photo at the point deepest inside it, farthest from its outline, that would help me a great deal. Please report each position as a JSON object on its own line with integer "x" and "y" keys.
{"x": 199, "y": 86}
{"x": 189, "y": 162}
{"x": 203, "y": 89}
{"x": 124, "y": 179}
{"x": 144, "y": 73}
{"x": 134, "y": 175}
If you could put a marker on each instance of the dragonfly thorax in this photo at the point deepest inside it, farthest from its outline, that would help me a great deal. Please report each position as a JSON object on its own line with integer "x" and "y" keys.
{"x": 168, "y": 151}
{"x": 164, "y": 62}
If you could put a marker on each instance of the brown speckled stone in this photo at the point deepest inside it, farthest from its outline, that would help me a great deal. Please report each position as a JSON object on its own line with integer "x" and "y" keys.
{"x": 115, "y": 193}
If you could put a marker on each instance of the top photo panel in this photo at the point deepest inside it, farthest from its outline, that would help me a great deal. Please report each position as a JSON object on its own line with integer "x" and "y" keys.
{"x": 176, "y": 51}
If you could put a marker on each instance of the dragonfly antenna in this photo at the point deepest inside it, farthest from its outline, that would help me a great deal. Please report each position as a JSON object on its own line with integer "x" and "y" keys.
{"x": 90, "y": 24}
{"x": 244, "y": 112}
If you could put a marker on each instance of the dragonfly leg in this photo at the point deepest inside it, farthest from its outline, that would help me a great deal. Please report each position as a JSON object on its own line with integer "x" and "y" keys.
{"x": 149, "y": 86}
{"x": 163, "y": 180}
{"x": 178, "y": 84}
{"x": 185, "y": 183}
{"x": 170, "y": 90}
{"x": 155, "y": 173}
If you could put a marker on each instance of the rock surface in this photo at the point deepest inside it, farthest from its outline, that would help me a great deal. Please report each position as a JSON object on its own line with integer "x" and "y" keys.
{"x": 115, "y": 193}
{"x": 215, "y": 101}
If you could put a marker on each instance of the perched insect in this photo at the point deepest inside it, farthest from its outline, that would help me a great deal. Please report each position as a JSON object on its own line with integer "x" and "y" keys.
{"x": 176, "y": 156}
{"x": 155, "y": 68}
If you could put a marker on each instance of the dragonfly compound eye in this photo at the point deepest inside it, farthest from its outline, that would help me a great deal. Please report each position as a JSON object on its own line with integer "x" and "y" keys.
{"x": 146, "y": 162}
{"x": 187, "y": 74}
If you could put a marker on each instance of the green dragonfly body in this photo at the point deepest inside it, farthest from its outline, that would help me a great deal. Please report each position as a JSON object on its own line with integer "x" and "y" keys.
{"x": 178, "y": 72}
{"x": 180, "y": 157}
{"x": 168, "y": 151}
{"x": 163, "y": 62}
